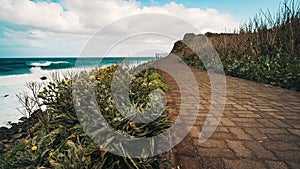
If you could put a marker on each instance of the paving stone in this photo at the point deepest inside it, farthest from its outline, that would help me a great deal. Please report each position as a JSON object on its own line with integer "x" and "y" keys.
{"x": 210, "y": 143}
{"x": 215, "y": 152}
{"x": 283, "y": 137}
{"x": 276, "y": 165}
{"x": 239, "y": 149}
{"x": 244, "y": 120}
{"x": 188, "y": 162}
{"x": 297, "y": 126}
{"x": 281, "y": 123}
{"x": 239, "y": 107}
{"x": 243, "y": 164}
{"x": 259, "y": 150}
{"x": 240, "y": 134}
{"x": 267, "y": 123}
{"x": 222, "y": 135}
{"x": 290, "y": 155}
{"x": 295, "y": 132}
{"x": 293, "y": 165}
{"x": 256, "y": 134}
{"x": 275, "y": 115}
{"x": 222, "y": 129}
{"x": 251, "y": 108}
{"x": 243, "y": 112}
{"x": 227, "y": 122}
{"x": 278, "y": 145}
{"x": 249, "y": 115}
{"x": 185, "y": 148}
{"x": 273, "y": 130}
{"x": 211, "y": 163}
{"x": 247, "y": 125}
{"x": 260, "y": 126}
{"x": 268, "y": 110}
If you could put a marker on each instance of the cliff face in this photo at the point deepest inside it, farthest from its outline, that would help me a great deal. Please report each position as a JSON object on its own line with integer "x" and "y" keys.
{"x": 193, "y": 47}
{"x": 181, "y": 48}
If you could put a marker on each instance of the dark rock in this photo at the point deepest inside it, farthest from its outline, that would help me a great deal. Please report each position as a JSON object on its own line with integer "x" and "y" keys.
{"x": 6, "y": 95}
{"x": 8, "y": 145}
{"x": 3, "y": 131}
{"x": 23, "y": 119}
{"x": 16, "y": 133}
{"x": 1, "y": 146}
{"x": 19, "y": 130}
{"x": 18, "y": 136}
{"x": 5, "y": 141}
{"x": 14, "y": 129}
{"x": 3, "y": 128}
{"x": 43, "y": 78}
{"x": 14, "y": 125}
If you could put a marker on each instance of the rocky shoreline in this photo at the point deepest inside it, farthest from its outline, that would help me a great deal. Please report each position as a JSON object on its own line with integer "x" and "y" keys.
{"x": 12, "y": 136}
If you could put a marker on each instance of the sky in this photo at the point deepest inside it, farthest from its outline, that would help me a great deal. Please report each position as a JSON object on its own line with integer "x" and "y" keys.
{"x": 116, "y": 27}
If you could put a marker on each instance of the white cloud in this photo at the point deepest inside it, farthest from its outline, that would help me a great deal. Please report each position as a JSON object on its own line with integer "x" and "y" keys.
{"x": 21, "y": 42}
{"x": 75, "y": 19}
{"x": 80, "y": 15}
{"x": 204, "y": 20}
{"x": 40, "y": 14}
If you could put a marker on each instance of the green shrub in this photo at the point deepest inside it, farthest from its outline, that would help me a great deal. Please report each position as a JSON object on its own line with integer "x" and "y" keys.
{"x": 67, "y": 145}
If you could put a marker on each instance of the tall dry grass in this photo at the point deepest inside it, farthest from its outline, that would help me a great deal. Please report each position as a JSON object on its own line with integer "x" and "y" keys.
{"x": 264, "y": 35}
{"x": 266, "y": 49}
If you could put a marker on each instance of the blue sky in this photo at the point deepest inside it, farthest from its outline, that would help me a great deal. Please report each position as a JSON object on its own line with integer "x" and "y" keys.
{"x": 62, "y": 27}
{"x": 239, "y": 9}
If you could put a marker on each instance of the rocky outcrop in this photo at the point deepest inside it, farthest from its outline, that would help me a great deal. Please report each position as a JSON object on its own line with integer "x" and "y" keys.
{"x": 12, "y": 136}
{"x": 190, "y": 47}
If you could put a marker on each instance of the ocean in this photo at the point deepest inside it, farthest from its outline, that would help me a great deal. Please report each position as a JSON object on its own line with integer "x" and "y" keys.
{"x": 16, "y": 72}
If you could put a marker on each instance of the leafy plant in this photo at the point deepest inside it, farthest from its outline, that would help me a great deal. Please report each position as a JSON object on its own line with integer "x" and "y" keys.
{"x": 66, "y": 145}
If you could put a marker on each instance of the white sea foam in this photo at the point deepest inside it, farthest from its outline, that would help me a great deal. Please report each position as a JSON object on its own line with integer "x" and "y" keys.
{"x": 14, "y": 84}
{"x": 48, "y": 63}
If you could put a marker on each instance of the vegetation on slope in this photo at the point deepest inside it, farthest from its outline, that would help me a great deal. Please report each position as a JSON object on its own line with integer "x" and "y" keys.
{"x": 266, "y": 50}
{"x": 59, "y": 141}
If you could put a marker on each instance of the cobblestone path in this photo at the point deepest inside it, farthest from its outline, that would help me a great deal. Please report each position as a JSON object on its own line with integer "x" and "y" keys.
{"x": 260, "y": 126}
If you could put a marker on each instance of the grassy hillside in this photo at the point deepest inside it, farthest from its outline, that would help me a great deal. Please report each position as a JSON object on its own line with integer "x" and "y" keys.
{"x": 266, "y": 49}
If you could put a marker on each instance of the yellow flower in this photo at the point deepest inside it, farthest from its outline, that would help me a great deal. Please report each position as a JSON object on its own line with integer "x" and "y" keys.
{"x": 50, "y": 155}
{"x": 144, "y": 84}
{"x": 34, "y": 148}
{"x": 68, "y": 81}
{"x": 92, "y": 77}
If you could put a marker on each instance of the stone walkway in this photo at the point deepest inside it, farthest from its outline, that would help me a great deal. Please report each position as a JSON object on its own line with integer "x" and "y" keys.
{"x": 260, "y": 127}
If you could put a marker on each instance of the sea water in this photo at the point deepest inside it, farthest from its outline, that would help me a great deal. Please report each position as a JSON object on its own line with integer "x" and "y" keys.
{"x": 16, "y": 72}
